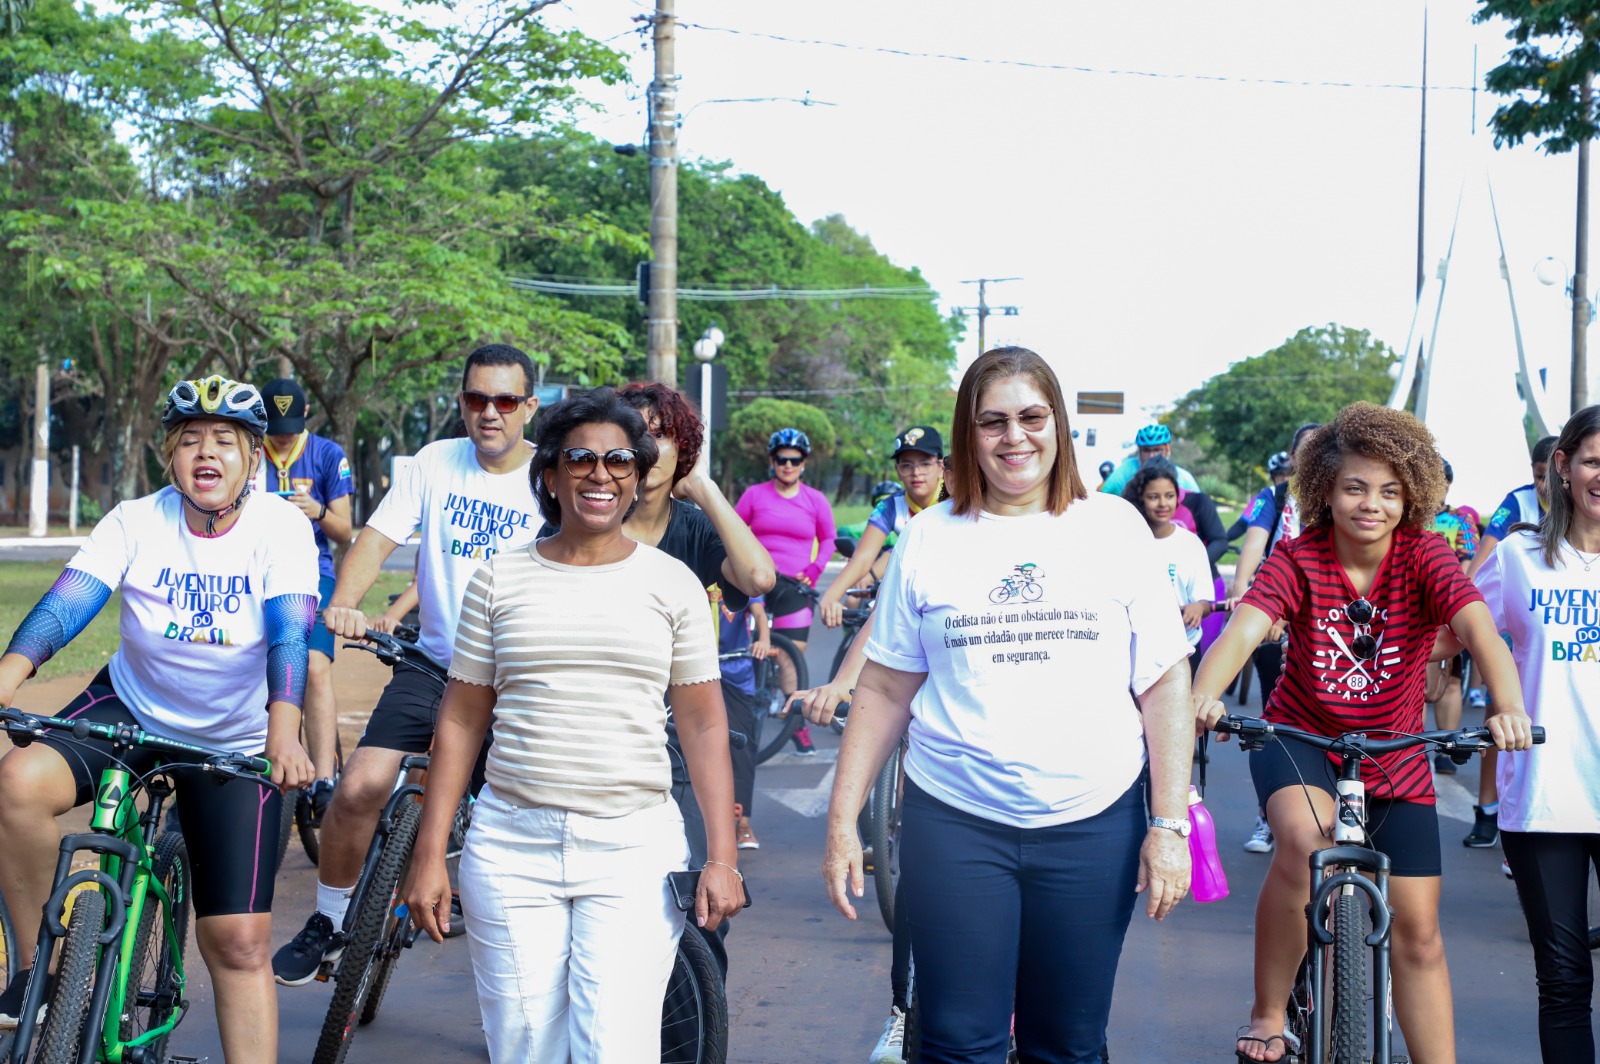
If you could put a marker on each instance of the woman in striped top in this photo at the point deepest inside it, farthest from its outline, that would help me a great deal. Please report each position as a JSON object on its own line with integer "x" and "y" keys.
{"x": 1363, "y": 592}
{"x": 568, "y": 646}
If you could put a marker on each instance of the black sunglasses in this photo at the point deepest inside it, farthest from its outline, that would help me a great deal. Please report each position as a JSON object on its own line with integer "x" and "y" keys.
{"x": 477, "y": 402}
{"x": 580, "y": 461}
{"x": 1360, "y": 614}
{"x": 779, "y": 460}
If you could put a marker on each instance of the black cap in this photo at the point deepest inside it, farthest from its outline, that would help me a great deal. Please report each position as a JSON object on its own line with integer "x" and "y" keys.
{"x": 286, "y": 407}
{"x": 924, "y": 438}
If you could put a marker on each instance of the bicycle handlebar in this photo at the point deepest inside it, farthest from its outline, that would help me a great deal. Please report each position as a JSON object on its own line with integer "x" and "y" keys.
{"x": 24, "y": 728}
{"x": 1468, "y": 740}
{"x": 392, "y": 650}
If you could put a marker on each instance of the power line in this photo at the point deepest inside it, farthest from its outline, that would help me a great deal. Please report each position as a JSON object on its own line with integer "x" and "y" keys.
{"x": 724, "y": 295}
{"x": 909, "y": 53}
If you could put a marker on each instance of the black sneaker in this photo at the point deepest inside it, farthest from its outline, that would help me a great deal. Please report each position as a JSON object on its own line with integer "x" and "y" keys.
{"x": 296, "y": 964}
{"x": 1485, "y": 829}
{"x": 11, "y": 1000}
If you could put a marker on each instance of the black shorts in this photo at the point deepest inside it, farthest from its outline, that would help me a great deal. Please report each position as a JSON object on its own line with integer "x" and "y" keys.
{"x": 797, "y": 635}
{"x": 406, "y": 713}
{"x": 231, "y": 827}
{"x": 1407, "y": 831}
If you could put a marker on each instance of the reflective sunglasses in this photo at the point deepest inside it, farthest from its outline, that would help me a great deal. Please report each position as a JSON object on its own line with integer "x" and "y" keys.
{"x": 477, "y": 402}
{"x": 905, "y": 469}
{"x": 1030, "y": 422}
{"x": 1360, "y": 614}
{"x": 580, "y": 461}
{"x": 777, "y": 460}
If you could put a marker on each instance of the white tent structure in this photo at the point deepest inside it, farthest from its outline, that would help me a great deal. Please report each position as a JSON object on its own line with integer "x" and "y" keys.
{"x": 1466, "y": 359}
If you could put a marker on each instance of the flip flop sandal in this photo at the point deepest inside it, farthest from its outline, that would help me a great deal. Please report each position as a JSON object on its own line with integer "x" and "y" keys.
{"x": 1265, "y": 1043}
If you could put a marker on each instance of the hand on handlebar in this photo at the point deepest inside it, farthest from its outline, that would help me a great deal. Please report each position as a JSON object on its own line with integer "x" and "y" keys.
{"x": 385, "y": 624}
{"x": 344, "y": 622}
{"x": 819, "y": 704}
{"x": 291, "y": 766}
{"x": 1207, "y": 711}
{"x": 830, "y": 610}
{"x": 1512, "y": 729}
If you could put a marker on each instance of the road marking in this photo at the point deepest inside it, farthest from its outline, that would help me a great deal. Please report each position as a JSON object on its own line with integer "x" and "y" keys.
{"x": 807, "y": 801}
{"x": 1454, "y": 799}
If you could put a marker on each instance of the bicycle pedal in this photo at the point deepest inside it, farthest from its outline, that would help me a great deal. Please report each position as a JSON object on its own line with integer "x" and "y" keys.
{"x": 324, "y": 971}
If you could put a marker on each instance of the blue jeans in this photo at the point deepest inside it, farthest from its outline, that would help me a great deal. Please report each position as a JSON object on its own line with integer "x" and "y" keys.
{"x": 1023, "y": 921}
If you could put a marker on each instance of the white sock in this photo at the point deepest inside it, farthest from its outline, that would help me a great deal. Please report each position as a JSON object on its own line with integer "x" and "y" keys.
{"x": 333, "y": 902}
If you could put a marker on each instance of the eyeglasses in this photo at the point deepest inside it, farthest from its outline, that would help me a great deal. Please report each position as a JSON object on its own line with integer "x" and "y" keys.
{"x": 1030, "y": 422}
{"x": 781, "y": 460}
{"x": 580, "y": 461}
{"x": 905, "y": 469}
{"x": 1360, "y": 614}
{"x": 477, "y": 402}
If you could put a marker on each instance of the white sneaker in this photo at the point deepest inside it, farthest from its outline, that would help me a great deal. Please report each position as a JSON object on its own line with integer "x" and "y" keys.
{"x": 1260, "y": 840}
{"x": 1505, "y": 867}
{"x": 891, "y": 1047}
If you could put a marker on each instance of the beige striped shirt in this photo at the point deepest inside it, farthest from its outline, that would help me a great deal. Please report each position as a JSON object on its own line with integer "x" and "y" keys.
{"x": 580, "y": 658}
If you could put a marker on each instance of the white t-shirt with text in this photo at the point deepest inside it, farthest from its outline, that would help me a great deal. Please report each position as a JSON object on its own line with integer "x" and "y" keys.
{"x": 467, "y": 515}
{"x": 1553, "y": 619}
{"x": 1189, "y": 571}
{"x": 192, "y": 664}
{"x": 1031, "y": 631}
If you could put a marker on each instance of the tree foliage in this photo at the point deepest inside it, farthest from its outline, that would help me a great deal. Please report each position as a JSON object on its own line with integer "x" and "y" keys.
{"x": 755, "y": 422}
{"x": 1252, "y": 410}
{"x": 1555, "y": 54}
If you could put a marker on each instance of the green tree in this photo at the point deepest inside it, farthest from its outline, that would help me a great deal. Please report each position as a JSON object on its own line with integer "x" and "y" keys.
{"x": 1252, "y": 410}
{"x": 755, "y": 422}
{"x": 1553, "y": 61}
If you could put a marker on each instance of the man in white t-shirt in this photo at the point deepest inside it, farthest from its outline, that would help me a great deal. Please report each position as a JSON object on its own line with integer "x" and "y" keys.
{"x": 471, "y": 498}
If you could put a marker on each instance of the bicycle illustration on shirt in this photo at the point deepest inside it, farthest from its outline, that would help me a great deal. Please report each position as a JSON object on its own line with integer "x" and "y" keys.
{"x": 1023, "y": 583}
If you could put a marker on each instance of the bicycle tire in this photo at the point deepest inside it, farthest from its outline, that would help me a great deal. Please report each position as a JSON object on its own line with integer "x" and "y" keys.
{"x": 694, "y": 1013}
{"x": 844, "y": 648}
{"x": 8, "y": 947}
{"x": 911, "y": 1042}
{"x": 66, "y": 1020}
{"x": 1347, "y": 1037}
{"x": 154, "y": 991}
{"x": 286, "y": 825}
{"x": 356, "y": 967}
{"x": 792, "y": 720}
{"x": 397, "y": 931}
{"x": 886, "y": 792}
{"x": 1297, "y": 1017}
{"x": 310, "y": 841}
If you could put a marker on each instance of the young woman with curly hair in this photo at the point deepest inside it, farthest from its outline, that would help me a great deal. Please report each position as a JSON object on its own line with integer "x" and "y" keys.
{"x": 1363, "y": 591}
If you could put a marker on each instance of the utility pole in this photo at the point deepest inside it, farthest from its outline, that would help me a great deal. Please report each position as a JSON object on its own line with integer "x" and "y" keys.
{"x": 39, "y": 490}
{"x": 983, "y": 309}
{"x": 1580, "y": 269}
{"x": 1422, "y": 149}
{"x": 662, "y": 323}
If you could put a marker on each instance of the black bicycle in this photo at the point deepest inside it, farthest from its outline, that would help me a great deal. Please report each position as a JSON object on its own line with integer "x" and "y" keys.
{"x": 773, "y": 686}
{"x": 1348, "y": 917}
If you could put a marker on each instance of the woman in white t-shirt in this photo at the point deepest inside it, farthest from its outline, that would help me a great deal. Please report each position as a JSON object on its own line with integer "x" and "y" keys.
{"x": 1154, "y": 491}
{"x": 1543, "y": 588}
{"x": 1012, "y": 625}
{"x": 219, "y": 589}
{"x": 568, "y": 646}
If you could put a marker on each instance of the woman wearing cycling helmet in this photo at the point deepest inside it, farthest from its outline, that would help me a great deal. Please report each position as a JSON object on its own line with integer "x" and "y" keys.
{"x": 919, "y": 463}
{"x": 795, "y": 523}
{"x": 219, "y": 588}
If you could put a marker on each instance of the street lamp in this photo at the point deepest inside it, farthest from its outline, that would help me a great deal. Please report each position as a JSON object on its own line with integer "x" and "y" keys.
{"x": 705, "y": 349}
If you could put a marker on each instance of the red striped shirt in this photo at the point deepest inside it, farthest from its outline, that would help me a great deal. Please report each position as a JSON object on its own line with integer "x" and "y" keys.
{"x": 1325, "y": 689}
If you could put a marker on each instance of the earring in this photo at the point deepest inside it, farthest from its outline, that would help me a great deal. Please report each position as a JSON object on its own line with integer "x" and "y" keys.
{"x": 1565, "y": 483}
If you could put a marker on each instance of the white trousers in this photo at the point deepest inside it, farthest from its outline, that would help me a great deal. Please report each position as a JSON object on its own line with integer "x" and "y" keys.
{"x": 572, "y": 930}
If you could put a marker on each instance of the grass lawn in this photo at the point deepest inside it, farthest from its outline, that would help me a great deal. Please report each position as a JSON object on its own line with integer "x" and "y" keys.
{"x": 23, "y": 583}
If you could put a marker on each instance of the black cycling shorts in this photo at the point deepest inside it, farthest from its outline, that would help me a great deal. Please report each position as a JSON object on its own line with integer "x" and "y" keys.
{"x": 231, "y": 827}
{"x": 795, "y": 635}
{"x": 406, "y": 713}
{"x": 1407, "y": 831}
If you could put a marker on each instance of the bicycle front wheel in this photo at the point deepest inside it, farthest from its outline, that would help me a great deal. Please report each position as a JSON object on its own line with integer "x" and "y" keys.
{"x": 369, "y": 956}
{"x": 155, "y": 985}
{"x": 1347, "y": 1001}
{"x": 286, "y": 814}
{"x": 694, "y": 1014}
{"x": 66, "y": 1021}
{"x": 885, "y": 834}
{"x": 786, "y": 674}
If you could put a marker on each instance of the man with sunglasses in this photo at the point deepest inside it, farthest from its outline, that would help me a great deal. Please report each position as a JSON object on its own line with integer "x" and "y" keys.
{"x": 470, "y": 498}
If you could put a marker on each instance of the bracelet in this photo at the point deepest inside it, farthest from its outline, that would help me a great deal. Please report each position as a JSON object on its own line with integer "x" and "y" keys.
{"x": 730, "y": 868}
{"x": 323, "y": 514}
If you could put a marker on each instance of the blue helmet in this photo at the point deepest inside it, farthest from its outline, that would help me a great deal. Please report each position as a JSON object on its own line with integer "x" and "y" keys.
{"x": 216, "y": 396}
{"x": 885, "y": 489}
{"x": 1106, "y": 469}
{"x": 1153, "y": 436}
{"x": 1278, "y": 463}
{"x": 789, "y": 438}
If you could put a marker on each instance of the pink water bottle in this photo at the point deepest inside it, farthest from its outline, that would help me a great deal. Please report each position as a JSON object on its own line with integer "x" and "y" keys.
{"x": 1208, "y": 882}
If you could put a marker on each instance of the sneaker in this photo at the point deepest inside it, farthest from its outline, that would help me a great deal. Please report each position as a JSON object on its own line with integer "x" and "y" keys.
{"x": 319, "y": 794}
{"x": 11, "y": 1000}
{"x": 891, "y": 1047}
{"x": 1478, "y": 698}
{"x": 1485, "y": 830}
{"x": 1260, "y": 840}
{"x": 1505, "y": 868}
{"x": 803, "y": 746}
{"x": 1443, "y": 765}
{"x": 745, "y": 836}
{"x": 296, "y": 964}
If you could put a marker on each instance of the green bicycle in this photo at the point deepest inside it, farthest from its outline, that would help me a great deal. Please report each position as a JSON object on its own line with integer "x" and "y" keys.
{"x": 119, "y": 985}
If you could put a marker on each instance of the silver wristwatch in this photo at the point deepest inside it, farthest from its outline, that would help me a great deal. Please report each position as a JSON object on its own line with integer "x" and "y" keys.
{"x": 1180, "y": 826}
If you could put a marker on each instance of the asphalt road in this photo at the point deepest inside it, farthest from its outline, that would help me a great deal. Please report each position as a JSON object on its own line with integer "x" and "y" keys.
{"x": 808, "y": 985}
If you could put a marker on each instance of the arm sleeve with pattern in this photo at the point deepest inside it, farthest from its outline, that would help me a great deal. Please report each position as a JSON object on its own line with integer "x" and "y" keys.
{"x": 288, "y": 619}
{"x": 64, "y": 611}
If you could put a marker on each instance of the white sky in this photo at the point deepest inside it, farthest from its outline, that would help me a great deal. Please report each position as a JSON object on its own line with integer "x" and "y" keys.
{"x": 1165, "y": 227}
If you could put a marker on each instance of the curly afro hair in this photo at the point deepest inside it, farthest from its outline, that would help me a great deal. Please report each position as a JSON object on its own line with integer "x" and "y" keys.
{"x": 1382, "y": 435}
{"x": 678, "y": 418}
